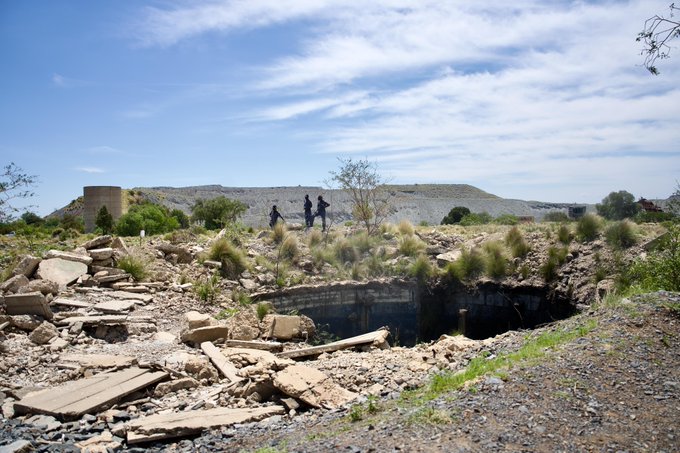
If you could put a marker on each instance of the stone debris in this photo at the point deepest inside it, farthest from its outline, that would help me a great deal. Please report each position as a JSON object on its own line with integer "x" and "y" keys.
{"x": 312, "y": 386}
{"x": 28, "y": 304}
{"x": 377, "y": 339}
{"x": 68, "y": 256}
{"x": 62, "y": 272}
{"x": 43, "y": 333}
{"x": 14, "y": 284}
{"x": 26, "y": 266}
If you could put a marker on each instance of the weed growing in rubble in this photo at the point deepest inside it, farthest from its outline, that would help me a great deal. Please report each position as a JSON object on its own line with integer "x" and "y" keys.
{"x": 564, "y": 234}
{"x": 134, "y": 265}
{"x": 406, "y": 228}
{"x": 556, "y": 257}
{"x": 242, "y": 298}
{"x": 356, "y": 413}
{"x": 588, "y": 227}
{"x": 621, "y": 235}
{"x": 279, "y": 232}
{"x": 421, "y": 268}
{"x": 518, "y": 245}
{"x": 470, "y": 264}
{"x": 430, "y": 416}
{"x": 262, "y": 310}
{"x": 411, "y": 246}
{"x": 314, "y": 238}
{"x": 495, "y": 263}
{"x": 289, "y": 248}
{"x": 208, "y": 289}
{"x": 345, "y": 251}
{"x": 232, "y": 258}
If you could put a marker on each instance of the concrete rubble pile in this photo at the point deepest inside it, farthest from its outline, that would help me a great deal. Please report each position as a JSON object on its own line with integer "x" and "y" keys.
{"x": 95, "y": 360}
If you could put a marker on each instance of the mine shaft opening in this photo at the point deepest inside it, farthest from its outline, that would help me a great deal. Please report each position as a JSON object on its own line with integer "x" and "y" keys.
{"x": 417, "y": 313}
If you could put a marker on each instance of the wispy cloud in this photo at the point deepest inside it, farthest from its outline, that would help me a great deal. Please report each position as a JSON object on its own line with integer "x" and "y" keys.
{"x": 92, "y": 170}
{"x": 104, "y": 150}
{"x": 61, "y": 81}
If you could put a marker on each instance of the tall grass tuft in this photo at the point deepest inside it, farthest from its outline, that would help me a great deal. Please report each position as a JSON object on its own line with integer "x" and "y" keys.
{"x": 314, "y": 238}
{"x": 556, "y": 257}
{"x": 470, "y": 264}
{"x": 289, "y": 248}
{"x": 232, "y": 258}
{"x": 621, "y": 235}
{"x": 345, "y": 251}
{"x": 135, "y": 266}
{"x": 279, "y": 232}
{"x": 495, "y": 263}
{"x": 518, "y": 245}
{"x": 406, "y": 228}
{"x": 421, "y": 268}
{"x": 207, "y": 289}
{"x": 411, "y": 246}
{"x": 362, "y": 242}
{"x": 564, "y": 234}
{"x": 588, "y": 227}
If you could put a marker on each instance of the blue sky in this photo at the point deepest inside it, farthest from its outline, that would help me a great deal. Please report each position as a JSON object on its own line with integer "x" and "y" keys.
{"x": 529, "y": 99}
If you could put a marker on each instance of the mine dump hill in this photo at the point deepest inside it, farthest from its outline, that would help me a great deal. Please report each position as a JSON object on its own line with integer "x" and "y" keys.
{"x": 416, "y": 203}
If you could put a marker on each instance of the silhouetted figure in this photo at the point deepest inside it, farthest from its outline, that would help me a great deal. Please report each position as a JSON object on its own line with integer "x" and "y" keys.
{"x": 274, "y": 217}
{"x": 321, "y": 206}
{"x": 309, "y": 219}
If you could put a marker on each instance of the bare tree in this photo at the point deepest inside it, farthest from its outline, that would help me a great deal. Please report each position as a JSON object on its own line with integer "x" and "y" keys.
{"x": 13, "y": 184}
{"x": 366, "y": 187}
{"x": 656, "y": 35}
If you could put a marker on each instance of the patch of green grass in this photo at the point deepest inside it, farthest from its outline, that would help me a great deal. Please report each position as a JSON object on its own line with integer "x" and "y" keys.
{"x": 226, "y": 313}
{"x": 314, "y": 238}
{"x": 356, "y": 413}
{"x": 430, "y": 416}
{"x": 207, "y": 289}
{"x": 516, "y": 242}
{"x": 242, "y": 298}
{"x": 262, "y": 310}
{"x": 621, "y": 235}
{"x": 345, "y": 251}
{"x": 278, "y": 233}
{"x": 470, "y": 264}
{"x": 588, "y": 227}
{"x": 564, "y": 234}
{"x": 495, "y": 263}
{"x": 421, "y": 268}
{"x": 232, "y": 258}
{"x": 411, "y": 246}
{"x": 134, "y": 265}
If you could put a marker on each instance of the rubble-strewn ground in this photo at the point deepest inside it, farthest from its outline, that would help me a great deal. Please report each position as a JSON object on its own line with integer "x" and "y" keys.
{"x": 610, "y": 383}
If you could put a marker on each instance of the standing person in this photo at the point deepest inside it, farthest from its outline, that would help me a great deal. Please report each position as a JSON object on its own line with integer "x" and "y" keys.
{"x": 321, "y": 206}
{"x": 274, "y": 217}
{"x": 309, "y": 220}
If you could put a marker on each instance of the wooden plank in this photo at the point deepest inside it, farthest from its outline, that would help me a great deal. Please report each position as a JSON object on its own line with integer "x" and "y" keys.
{"x": 164, "y": 426}
{"x": 74, "y": 399}
{"x": 223, "y": 364}
{"x": 28, "y": 304}
{"x": 272, "y": 346}
{"x": 367, "y": 338}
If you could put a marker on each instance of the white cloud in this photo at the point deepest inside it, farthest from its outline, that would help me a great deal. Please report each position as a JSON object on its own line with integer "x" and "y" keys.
{"x": 104, "y": 150}
{"x": 92, "y": 170}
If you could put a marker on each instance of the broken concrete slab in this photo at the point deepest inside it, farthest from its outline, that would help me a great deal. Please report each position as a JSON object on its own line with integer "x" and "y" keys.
{"x": 164, "y": 426}
{"x": 111, "y": 278}
{"x": 28, "y": 304}
{"x": 68, "y": 256}
{"x": 312, "y": 386}
{"x": 146, "y": 298}
{"x": 88, "y": 395}
{"x": 448, "y": 257}
{"x": 226, "y": 368}
{"x": 60, "y": 271}
{"x": 97, "y": 242}
{"x": 173, "y": 386}
{"x": 119, "y": 245}
{"x": 115, "y": 306}
{"x": 208, "y": 333}
{"x": 377, "y": 338}
{"x": 101, "y": 254}
{"x": 195, "y": 319}
{"x": 18, "y": 446}
{"x": 44, "y": 286}
{"x": 64, "y": 302}
{"x": 271, "y": 346}
{"x": 98, "y": 360}
{"x": 26, "y": 266}
{"x": 43, "y": 333}
{"x": 13, "y": 284}
{"x": 104, "y": 320}
{"x": 285, "y": 327}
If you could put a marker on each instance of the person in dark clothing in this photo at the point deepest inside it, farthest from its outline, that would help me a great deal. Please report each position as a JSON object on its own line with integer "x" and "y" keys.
{"x": 274, "y": 217}
{"x": 309, "y": 219}
{"x": 321, "y": 206}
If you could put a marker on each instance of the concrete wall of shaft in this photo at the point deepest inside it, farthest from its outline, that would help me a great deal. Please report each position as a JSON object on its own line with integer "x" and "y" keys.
{"x": 98, "y": 196}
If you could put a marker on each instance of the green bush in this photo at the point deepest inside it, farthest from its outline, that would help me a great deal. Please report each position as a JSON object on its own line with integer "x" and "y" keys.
{"x": 217, "y": 212}
{"x": 455, "y": 215}
{"x": 654, "y": 217}
{"x": 506, "y": 219}
{"x": 516, "y": 242}
{"x": 621, "y": 235}
{"x": 556, "y": 216}
{"x": 411, "y": 246}
{"x": 152, "y": 218}
{"x": 481, "y": 218}
{"x": 495, "y": 263}
{"x": 262, "y": 310}
{"x": 207, "y": 289}
{"x": 181, "y": 217}
{"x": 618, "y": 206}
{"x": 661, "y": 269}
{"x": 134, "y": 265}
{"x": 588, "y": 227}
{"x": 421, "y": 268}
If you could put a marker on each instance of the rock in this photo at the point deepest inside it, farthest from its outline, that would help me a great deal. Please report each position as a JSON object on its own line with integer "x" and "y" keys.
{"x": 43, "y": 286}
{"x": 244, "y": 325}
{"x": 212, "y": 264}
{"x": 286, "y": 327}
{"x": 26, "y": 266}
{"x": 13, "y": 284}
{"x": 28, "y": 304}
{"x": 57, "y": 344}
{"x": 248, "y": 284}
{"x": 209, "y": 333}
{"x": 101, "y": 254}
{"x": 43, "y": 333}
{"x": 68, "y": 256}
{"x": 290, "y": 403}
{"x": 119, "y": 245}
{"x": 18, "y": 446}
{"x": 195, "y": 319}
{"x": 101, "y": 241}
{"x": 25, "y": 322}
{"x": 264, "y": 360}
{"x": 312, "y": 386}
{"x": 184, "y": 256}
{"x": 44, "y": 422}
{"x": 172, "y": 386}
{"x": 165, "y": 337}
{"x": 200, "y": 368}
{"x": 448, "y": 257}
{"x": 60, "y": 271}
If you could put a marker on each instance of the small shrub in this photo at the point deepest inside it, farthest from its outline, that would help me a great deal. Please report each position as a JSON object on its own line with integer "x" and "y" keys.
{"x": 314, "y": 238}
{"x": 358, "y": 271}
{"x": 278, "y": 232}
{"x": 621, "y": 235}
{"x": 242, "y": 298}
{"x": 356, "y": 413}
{"x": 421, "y": 268}
{"x": 289, "y": 248}
{"x": 495, "y": 263}
{"x": 346, "y": 252}
{"x": 470, "y": 264}
{"x": 375, "y": 264}
{"x": 262, "y": 310}
{"x": 506, "y": 219}
{"x": 556, "y": 257}
{"x": 588, "y": 227}
{"x": 556, "y": 216}
{"x": 232, "y": 258}
{"x": 455, "y": 215}
{"x": 518, "y": 245}
{"x": 134, "y": 265}
{"x": 406, "y": 228}
{"x": 208, "y": 289}
{"x": 411, "y": 246}
{"x": 661, "y": 269}
{"x": 474, "y": 218}
{"x": 423, "y": 223}
{"x": 362, "y": 242}
{"x": 564, "y": 234}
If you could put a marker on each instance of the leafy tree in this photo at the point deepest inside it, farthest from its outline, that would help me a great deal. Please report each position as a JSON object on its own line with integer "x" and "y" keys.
{"x": 618, "y": 206}
{"x": 217, "y": 212}
{"x": 104, "y": 220}
{"x": 152, "y": 218}
{"x": 366, "y": 188}
{"x": 181, "y": 218}
{"x": 656, "y": 35}
{"x": 13, "y": 184}
{"x": 474, "y": 218}
{"x": 455, "y": 215}
{"x": 72, "y": 222}
{"x": 31, "y": 218}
